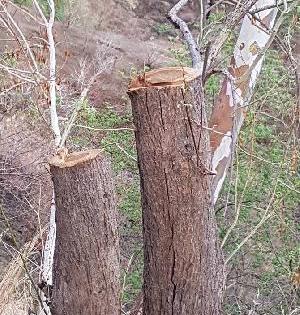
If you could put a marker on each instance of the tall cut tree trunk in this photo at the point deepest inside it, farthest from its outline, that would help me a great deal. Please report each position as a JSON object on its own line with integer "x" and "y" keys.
{"x": 86, "y": 259}
{"x": 183, "y": 271}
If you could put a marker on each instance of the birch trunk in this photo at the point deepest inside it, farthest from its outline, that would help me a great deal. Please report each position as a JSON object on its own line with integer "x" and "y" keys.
{"x": 231, "y": 106}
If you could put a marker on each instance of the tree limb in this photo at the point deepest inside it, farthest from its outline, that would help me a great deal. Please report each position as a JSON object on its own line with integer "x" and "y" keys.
{"x": 188, "y": 37}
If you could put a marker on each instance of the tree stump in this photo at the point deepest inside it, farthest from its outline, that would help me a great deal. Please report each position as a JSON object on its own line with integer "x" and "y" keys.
{"x": 183, "y": 269}
{"x": 86, "y": 259}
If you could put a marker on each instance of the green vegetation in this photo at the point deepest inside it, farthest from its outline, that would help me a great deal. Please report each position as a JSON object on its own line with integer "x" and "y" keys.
{"x": 267, "y": 174}
{"x": 165, "y": 29}
{"x": 268, "y": 178}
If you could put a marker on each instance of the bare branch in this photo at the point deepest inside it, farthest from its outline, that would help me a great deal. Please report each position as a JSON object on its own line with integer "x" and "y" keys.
{"x": 48, "y": 252}
{"x": 25, "y": 11}
{"x": 30, "y": 53}
{"x": 202, "y": 18}
{"x": 74, "y": 116}
{"x": 105, "y": 129}
{"x": 40, "y": 12}
{"x": 11, "y": 88}
{"x": 188, "y": 37}
{"x": 231, "y": 21}
{"x": 18, "y": 74}
{"x": 267, "y": 215}
{"x": 52, "y": 68}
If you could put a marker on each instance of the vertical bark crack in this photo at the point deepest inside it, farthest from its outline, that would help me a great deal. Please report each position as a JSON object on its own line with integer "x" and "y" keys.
{"x": 161, "y": 111}
{"x": 180, "y": 252}
{"x": 172, "y": 243}
{"x": 173, "y": 274}
{"x": 192, "y": 134}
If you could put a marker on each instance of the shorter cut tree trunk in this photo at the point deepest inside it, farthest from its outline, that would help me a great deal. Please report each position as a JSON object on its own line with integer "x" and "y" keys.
{"x": 183, "y": 271}
{"x": 86, "y": 259}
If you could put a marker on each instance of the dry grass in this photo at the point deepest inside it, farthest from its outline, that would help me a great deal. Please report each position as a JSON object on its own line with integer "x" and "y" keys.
{"x": 16, "y": 292}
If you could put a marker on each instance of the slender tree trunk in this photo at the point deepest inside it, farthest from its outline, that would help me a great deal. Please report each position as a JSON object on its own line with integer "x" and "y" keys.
{"x": 229, "y": 112}
{"x": 86, "y": 259}
{"x": 183, "y": 271}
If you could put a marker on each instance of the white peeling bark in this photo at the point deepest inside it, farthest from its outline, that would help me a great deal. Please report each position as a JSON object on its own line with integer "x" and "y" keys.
{"x": 230, "y": 109}
{"x": 52, "y": 65}
{"x": 49, "y": 247}
{"x": 48, "y": 254}
{"x": 50, "y": 242}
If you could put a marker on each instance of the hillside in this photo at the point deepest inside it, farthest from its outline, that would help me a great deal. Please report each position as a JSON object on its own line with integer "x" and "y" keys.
{"x": 124, "y": 39}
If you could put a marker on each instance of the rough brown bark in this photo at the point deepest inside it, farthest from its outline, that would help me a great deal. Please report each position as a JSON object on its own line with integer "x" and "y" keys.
{"x": 86, "y": 259}
{"x": 183, "y": 270}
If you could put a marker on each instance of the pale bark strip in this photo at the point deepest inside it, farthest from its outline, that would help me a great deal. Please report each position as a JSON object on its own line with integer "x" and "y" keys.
{"x": 232, "y": 20}
{"x": 49, "y": 248}
{"x": 230, "y": 109}
{"x": 48, "y": 254}
{"x": 50, "y": 242}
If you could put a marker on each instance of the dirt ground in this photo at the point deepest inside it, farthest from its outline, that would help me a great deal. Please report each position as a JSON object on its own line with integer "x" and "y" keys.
{"x": 128, "y": 28}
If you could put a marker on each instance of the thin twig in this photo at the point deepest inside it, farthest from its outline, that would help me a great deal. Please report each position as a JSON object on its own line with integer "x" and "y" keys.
{"x": 123, "y": 150}
{"x": 265, "y": 217}
{"x": 105, "y": 129}
{"x": 23, "y": 38}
